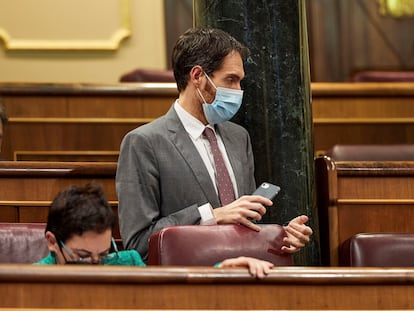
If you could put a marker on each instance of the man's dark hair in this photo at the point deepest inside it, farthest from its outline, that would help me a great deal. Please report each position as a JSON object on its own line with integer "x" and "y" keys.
{"x": 206, "y": 47}
{"x": 79, "y": 209}
{"x": 3, "y": 115}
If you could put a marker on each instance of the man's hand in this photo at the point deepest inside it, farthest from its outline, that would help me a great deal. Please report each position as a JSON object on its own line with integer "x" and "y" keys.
{"x": 298, "y": 234}
{"x": 241, "y": 210}
{"x": 257, "y": 268}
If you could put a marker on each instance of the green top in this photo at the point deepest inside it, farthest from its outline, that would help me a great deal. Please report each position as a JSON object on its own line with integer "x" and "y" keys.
{"x": 122, "y": 258}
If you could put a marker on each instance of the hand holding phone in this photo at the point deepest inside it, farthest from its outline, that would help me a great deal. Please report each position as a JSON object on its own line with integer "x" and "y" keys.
{"x": 267, "y": 190}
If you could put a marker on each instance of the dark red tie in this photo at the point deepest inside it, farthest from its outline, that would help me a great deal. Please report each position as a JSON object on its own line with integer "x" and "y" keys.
{"x": 224, "y": 184}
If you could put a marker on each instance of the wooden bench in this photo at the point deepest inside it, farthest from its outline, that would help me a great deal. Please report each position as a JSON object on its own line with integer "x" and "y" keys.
{"x": 95, "y": 117}
{"x": 362, "y": 113}
{"x": 78, "y": 117}
{"x": 205, "y": 288}
{"x": 366, "y": 196}
{"x": 28, "y": 188}
{"x": 353, "y": 197}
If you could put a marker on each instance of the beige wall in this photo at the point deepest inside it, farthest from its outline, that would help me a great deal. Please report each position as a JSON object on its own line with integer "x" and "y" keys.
{"x": 145, "y": 48}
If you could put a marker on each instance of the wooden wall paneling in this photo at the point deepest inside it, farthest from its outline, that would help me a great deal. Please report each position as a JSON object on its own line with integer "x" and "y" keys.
{"x": 33, "y": 213}
{"x": 8, "y": 213}
{"x": 383, "y": 42}
{"x": 20, "y": 104}
{"x": 324, "y": 41}
{"x": 119, "y": 106}
{"x": 327, "y": 135}
{"x": 69, "y": 136}
{"x": 41, "y": 181}
{"x": 175, "y": 27}
{"x": 41, "y": 189}
{"x": 83, "y": 105}
{"x": 352, "y": 35}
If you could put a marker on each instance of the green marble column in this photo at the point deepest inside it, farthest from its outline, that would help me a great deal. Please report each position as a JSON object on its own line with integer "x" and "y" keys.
{"x": 277, "y": 102}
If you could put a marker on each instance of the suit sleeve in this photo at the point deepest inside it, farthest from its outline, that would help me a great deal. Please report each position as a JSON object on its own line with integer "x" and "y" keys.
{"x": 250, "y": 172}
{"x": 139, "y": 195}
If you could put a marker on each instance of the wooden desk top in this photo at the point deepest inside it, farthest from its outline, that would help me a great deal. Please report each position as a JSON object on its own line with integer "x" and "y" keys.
{"x": 56, "y": 169}
{"x": 287, "y": 288}
{"x": 375, "y": 168}
{"x": 318, "y": 89}
{"x": 202, "y": 275}
{"x": 118, "y": 89}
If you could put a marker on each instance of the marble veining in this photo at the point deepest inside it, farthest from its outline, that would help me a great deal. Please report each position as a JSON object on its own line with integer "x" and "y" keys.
{"x": 276, "y": 107}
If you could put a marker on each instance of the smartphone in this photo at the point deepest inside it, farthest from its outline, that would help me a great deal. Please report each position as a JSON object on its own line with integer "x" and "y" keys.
{"x": 267, "y": 190}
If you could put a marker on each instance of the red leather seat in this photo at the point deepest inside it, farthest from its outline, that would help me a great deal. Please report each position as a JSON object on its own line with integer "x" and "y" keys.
{"x": 207, "y": 245}
{"x": 148, "y": 75}
{"x": 378, "y": 250}
{"x": 22, "y": 242}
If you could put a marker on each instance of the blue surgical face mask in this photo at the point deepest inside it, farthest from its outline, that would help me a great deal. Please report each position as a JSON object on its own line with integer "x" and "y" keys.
{"x": 224, "y": 106}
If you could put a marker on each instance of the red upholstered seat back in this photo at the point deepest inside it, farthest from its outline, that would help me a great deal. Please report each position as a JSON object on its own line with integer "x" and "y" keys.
{"x": 206, "y": 245}
{"x": 378, "y": 250}
{"x": 148, "y": 75}
{"x": 22, "y": 242}
{"x": 383, "y": 76}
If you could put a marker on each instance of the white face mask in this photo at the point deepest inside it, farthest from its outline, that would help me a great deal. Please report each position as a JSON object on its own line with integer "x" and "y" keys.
{"x": 224, "y": 106}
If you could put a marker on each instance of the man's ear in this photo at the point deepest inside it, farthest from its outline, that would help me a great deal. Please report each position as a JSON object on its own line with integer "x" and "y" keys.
{"x": 196, "y": 75}
{"x": 52, "y": 242}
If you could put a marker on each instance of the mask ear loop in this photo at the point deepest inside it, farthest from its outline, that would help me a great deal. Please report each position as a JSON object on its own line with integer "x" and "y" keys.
{"x": 201, "y": 95}
{"x": 62, "y": 245}
{"x": 212, "y": 83}
{"x": 114, "y": 245}
{"x": 209, "y": 79}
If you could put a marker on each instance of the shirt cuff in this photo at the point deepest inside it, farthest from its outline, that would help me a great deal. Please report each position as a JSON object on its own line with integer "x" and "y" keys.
{"x": 207, "y": 217}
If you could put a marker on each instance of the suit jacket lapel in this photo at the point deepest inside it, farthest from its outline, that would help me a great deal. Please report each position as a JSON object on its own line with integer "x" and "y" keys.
{"x": 190, "y": 155}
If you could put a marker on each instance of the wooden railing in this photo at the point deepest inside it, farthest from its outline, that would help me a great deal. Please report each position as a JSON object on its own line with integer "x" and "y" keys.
{"x": 205, "y": 288}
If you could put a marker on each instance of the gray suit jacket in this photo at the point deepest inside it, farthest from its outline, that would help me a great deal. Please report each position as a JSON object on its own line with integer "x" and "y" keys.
{"x": 161, "y": 178}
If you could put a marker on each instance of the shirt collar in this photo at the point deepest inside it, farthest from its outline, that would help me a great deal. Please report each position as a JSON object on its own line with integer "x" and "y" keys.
{"x": 192, "y": 125}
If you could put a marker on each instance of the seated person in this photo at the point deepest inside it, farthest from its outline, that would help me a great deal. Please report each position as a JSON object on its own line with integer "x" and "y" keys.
{"x": 79, "y": 231}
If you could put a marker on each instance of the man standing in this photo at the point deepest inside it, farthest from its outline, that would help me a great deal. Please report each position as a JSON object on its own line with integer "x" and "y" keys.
{"x": 193, "y": 166}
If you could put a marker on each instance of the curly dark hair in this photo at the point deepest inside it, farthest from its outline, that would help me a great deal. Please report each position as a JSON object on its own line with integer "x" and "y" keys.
{"x": 205, "y": 47}
{"x": 78, "y": 209}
